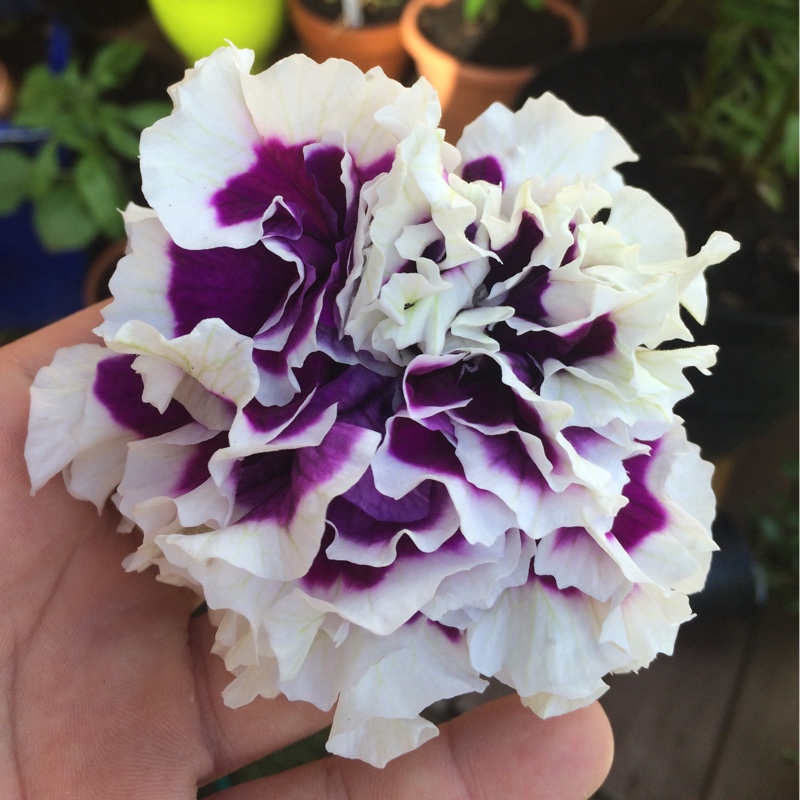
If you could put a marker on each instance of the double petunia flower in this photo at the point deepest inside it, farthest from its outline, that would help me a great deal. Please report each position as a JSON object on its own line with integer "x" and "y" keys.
{"x": 396, "y": 410}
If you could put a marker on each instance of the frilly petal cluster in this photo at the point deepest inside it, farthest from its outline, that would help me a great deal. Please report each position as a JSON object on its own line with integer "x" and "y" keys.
{"x": 398, "y": 411}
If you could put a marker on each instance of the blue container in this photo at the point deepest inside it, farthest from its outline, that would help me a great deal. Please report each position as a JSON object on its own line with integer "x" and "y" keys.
{"x": 36, "y": 287}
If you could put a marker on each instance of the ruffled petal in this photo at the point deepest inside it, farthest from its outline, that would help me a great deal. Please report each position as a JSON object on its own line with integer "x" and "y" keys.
{"x": 545, "y": 141}
{"x": 208, "y": 137}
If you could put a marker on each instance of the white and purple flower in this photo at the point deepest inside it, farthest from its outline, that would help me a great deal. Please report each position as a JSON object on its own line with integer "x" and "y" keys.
{"x": 396, "y": 410}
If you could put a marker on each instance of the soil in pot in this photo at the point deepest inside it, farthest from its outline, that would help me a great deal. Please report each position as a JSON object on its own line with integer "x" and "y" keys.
{"x": 467, "y": 88}
{"x": 374, "y": 13}
{"x": 519, "y": 37}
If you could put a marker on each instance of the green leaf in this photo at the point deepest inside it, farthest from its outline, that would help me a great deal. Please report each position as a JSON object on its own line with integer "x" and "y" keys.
{"x": 101, "y": 188}
{"x": 45, "y": 169}
{"x": 142, "y": 115}
{"x": 15, "y": 167}
{"x": 474, "y": 8}
{"x": 62, "y": 220}
{"x": 118, "y": 134}
{"x": 77, "y": 129}
{"x": 114, "y": 64}
{"x": 39, "y": 99}
{"x": 789, "y": 149}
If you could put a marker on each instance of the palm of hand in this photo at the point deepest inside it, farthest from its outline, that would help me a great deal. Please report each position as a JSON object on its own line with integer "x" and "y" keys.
{"x": 108, "y": 688}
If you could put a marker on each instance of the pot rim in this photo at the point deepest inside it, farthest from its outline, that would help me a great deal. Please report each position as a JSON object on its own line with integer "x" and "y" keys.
{"x": 420, "y": 47}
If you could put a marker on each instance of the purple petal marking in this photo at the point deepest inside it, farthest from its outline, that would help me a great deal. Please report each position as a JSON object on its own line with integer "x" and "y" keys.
{"x": 435, "y": 250}
{"x": 516, "y": 255}
{"x": 280, "y": 170}
{"x": 525, "y": 368}
{"x": 119, "y": 388}
{"x": 324, "y": 572}
{"x": 323, "y": 164}
{"x": 272, "y": 485}
{"x": 566, "y": 537}
{"x": 593, "y": 338}
{"x": 283, "y": 225}
{"x": 355, "y": 510}
{"x": 455, "y": 635}
{"x": 241, "y": 287}
{"x": 316, "y": 370}
{"x": 580, "y": 438}
{"x": 643, "y": 514}
{"x": 265, "y": 486}
{"x": 418, "y": 446}
{"x": 337, "y": 271}
{"x": 491, "y": 402}
{"x": 435, "y": 388}
{"x": 364, "y": 525}
{"x": 527, "y": 296}
{"x": 309, "y": 177}
{"x": 195, "y": 471}
{"x": 363, "y": 397}
{"x": 487, "y": 169}
{"x": 573, "y": 251}
{"x": 370, "y": 502}
{"x": 366, "y": 172}
{"x": 473, "y": 393}
{"x": 507, "y": 454}
{"x": 549, "y": 583}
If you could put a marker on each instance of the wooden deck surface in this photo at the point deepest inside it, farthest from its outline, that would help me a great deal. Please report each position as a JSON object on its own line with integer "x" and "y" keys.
{"x": 716, "y": 721}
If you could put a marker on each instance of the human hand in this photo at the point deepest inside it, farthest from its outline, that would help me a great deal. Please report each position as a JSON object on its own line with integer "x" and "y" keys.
{"x": 108, "y": 688}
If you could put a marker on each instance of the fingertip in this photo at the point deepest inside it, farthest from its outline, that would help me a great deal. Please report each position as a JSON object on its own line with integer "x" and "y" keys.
{"x": 594, "y": 745}
{"x": 32, "y": 352}
{"x": 506, "y": 751}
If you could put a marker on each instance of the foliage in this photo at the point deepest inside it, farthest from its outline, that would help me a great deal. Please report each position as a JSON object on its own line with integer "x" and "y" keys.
{"x": 743, "y": 116}
{"x": 777, "y": 549}
{"x": 488, "y": 10}
{"x": 75, "y": 179}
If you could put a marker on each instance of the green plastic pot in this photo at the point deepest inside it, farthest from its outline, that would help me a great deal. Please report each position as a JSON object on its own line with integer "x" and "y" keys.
{"x": 198, "y": 27}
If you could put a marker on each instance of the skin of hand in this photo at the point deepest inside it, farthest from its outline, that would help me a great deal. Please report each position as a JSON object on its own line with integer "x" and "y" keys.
{"x": 108, "y": 688}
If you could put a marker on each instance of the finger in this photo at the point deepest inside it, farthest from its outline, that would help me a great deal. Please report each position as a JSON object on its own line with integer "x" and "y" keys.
{"x": 19, "y": 362}
{"x": 499, "y": 751}
{"x": 239, "y": 736}
{"x": 28, "y": 354}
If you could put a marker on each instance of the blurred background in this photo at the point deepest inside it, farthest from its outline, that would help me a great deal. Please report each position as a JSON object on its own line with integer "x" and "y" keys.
{"x": 705, "y": 91}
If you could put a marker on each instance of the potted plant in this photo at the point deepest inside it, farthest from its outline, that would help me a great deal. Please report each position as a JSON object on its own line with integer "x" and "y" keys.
{"x": 196, "y": 27}
{"x": 69, "y": 163}
{"x": 475, "y": 52}
{"x": 366, "y": 32}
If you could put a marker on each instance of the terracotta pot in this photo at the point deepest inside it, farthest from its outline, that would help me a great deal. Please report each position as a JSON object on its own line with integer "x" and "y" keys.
{"x": 367, "y": 47}
{"x": 466, "y": 89}
{"x": 7, "y": 92}
{"x": 101, "y": 268}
